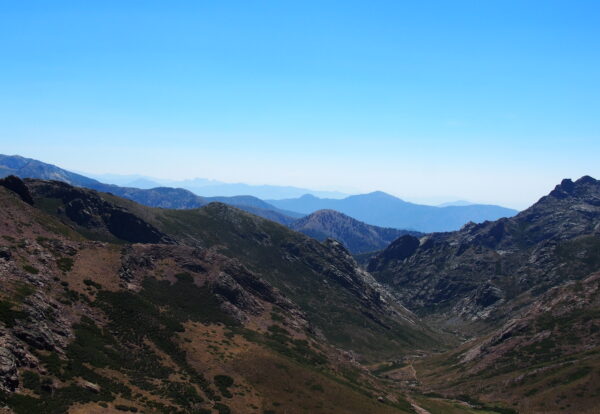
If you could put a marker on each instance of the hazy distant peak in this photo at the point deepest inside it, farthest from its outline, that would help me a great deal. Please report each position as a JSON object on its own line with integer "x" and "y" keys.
{"x": 457, "y": 203}
{"x": 376, "y": 195}
{"x": 380, "y": 194}
{"x": 308, "y": 197}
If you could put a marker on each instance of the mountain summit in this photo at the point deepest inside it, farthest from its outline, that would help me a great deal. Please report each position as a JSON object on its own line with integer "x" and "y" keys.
{"x": 473, "y": 275}
{"x": 384, "y": 210}
{"x": 357, "y": 236}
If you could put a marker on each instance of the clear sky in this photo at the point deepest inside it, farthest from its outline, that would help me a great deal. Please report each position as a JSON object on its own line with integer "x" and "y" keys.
{"x": 490, "y": 101}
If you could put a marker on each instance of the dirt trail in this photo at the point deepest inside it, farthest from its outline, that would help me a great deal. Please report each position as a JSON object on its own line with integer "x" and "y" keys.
{"x": 417, "y": 408}
{"x": 413, "y": 371}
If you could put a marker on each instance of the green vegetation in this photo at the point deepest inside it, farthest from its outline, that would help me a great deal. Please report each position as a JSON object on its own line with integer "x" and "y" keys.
{"x": 30, "y": 269}
{"x": 583, "y": 255}
{"x": 299, "y": 350}
{"x": 389, "y": 366}
{"x": 22, "y": 291}
{"x": 443, "y": 406}
{"x": 223, "y": 382}
{"x": 90, "y": 282}
{"x": 8, "y": 315}
{"x": 265, "y": 246}
{"x": 154, "y": 316}
{"x": 222, "y": 408}
{"x": 65, "y": 264}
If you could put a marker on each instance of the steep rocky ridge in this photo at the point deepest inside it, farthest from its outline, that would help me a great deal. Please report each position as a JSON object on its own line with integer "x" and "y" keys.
{"x": 87, "y": 210}
{"x": 214, "y": 310}
{"x": 384, "y": 210}
{"x": 545, "y": 360}
{"x": 487, "y": 272}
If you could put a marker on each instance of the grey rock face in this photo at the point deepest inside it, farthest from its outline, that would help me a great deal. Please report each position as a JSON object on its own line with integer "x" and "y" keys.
{"x": 468, "y": 274}
{"x": 13, "y": 354}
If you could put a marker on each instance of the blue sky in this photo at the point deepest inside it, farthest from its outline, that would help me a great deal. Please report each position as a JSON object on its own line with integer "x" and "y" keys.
{"x": 491, "y": 101}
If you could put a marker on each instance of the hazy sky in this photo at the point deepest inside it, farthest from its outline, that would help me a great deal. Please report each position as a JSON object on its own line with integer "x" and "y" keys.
{"x": 490, "y": 101}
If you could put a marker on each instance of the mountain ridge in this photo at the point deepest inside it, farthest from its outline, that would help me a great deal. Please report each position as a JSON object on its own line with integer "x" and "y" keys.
{"x": 483, "y": 267}
{"x": 212, "y": 188}
{"x": 164, "y": 197}
{"x": 357, "y": 236}
{"x": 208, "y": 310}
{"x": 207, "y": 303}
{"x": 384, "y": 210}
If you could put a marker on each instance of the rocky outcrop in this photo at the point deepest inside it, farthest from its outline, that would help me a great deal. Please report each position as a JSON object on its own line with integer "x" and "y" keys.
{"x": 16, "y": 185}
{"x": 43, "y": 327}
{"x": 13, "y": 354}
{"x": 398, "y": 250}
{"x": 474, "y": 274}
{"x": 89, "y": 210}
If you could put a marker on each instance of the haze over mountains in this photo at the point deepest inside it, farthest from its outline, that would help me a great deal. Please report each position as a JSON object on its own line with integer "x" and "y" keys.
{"x": 165, "y": 197}
{"x": 385, "y": 210}
{"x": 378, "y": 208}
{"x": 357, "y": 236}
{"x": 210, "y": 188}
{"x": 219, "y": 310}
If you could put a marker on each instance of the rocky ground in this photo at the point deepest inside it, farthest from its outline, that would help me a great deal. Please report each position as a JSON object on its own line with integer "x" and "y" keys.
{"x": 103, "y": 311}
{"x": 110, "y": 306}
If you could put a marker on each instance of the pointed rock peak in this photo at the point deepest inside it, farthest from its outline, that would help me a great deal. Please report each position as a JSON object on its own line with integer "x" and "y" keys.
{"x": 564, "y": 189}
{"x": 586, "y": 179}
{"x": 568, "y": 188}
{"x": 16, "y": 185}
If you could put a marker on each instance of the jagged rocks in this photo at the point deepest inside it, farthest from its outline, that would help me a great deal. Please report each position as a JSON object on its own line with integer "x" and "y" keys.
{"x": 13, "y": 354}
{"x": 230, "y": 291}
{"x": 472, "y": 275}
{"x": 9, "y": 379}
{"x": 43, "y": 327}
{"x": 5, "y": 253}
{"x": 88, "y": 209}
{"x": 90, "y": 386}
{"x": 17, "y": 186}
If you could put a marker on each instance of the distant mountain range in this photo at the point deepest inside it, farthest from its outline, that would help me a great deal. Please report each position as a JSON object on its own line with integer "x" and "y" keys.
{"x": 385, "y": 210}
{"x": 357, "y": 236}
{"x": 164, "y": 197}
{"x": 211, "y": 188}
{"x": 374, "y": 209}
{"x": 456, "y": 203}
{"x": 203, "y": 309}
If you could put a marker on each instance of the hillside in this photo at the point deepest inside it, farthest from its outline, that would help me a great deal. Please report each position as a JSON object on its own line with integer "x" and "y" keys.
{"x": 356, "y": 236}
{"x": 522, "y": 291}
{"x": 164, "y": 197}
{"x": 109, "y": 305}
{"x": 384, "y": 210}
{"x": 193, "y": 311}
{"x": 486, "y": 272}
{"x": 301, "y": 267}
{"x": 546, "y": 360}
